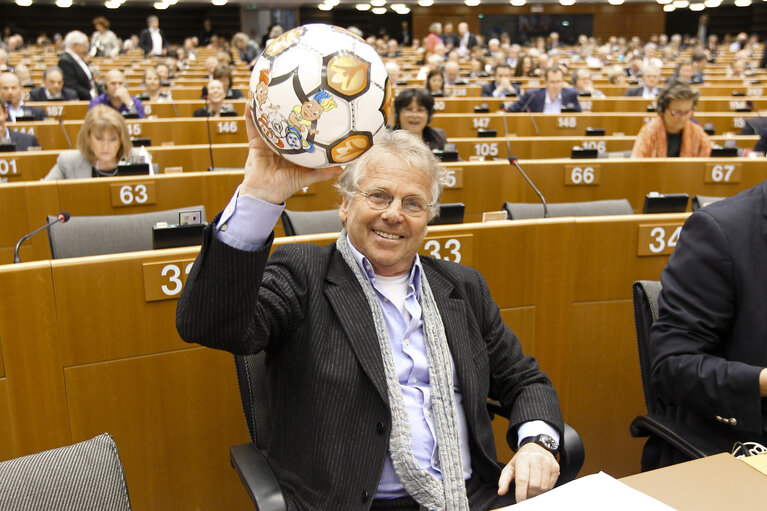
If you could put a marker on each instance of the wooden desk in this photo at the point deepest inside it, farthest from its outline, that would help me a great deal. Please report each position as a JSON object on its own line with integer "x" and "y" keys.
{"x": 572, "y": 124}
{"x": 712, "y": 483}
{"x": 177, "y": 131}
{"x": 76, "y": 110}
{"x": 481, "y": 186}
{"x": 88, "y": 345}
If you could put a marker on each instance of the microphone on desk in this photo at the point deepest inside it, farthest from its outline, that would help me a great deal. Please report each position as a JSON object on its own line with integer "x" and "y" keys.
{"x": 526, "y": 108}
{"x": 207, "y": 126}
{"x": 64, "y": 130}
{"x": 513, "y": 161}
{"x": 62, "y": 217}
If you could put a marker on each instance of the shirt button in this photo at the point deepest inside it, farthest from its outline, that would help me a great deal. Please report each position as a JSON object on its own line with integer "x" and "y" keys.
{"x": 407, "y": 342}
{"x": 223, "y": 227}
{"x": 415, "y": 380}
{"x": 380, "y": 428}
{"x": 365, "y": 495}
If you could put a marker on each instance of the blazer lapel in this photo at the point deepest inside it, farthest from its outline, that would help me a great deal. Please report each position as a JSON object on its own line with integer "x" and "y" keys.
{"x": 453, "y": 311}
{"x": 349, "y": 302}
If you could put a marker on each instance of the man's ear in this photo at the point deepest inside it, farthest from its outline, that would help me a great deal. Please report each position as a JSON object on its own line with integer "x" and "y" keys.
{"x": 343, "y": 211}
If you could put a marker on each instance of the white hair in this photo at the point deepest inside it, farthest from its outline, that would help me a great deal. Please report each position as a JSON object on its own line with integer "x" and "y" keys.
{"x": 75, "y": 37}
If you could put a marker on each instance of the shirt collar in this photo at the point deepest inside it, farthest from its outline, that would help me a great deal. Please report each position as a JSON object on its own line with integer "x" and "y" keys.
{"x": 554, "y": 100}
{"x": 414, "y": 278}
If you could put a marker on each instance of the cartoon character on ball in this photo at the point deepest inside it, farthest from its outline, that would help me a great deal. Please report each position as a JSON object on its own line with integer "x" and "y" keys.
{"x": 320, "y": 95}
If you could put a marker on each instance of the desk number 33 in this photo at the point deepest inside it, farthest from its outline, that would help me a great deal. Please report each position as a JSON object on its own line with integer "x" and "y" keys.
{"x": 452, "y": 249}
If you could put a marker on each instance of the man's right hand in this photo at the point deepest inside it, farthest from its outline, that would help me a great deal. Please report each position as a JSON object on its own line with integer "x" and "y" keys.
{"x": 269, "y": 176}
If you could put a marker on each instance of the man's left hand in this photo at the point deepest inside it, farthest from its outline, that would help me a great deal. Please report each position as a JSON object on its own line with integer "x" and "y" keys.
{"x": 533, "y": 469}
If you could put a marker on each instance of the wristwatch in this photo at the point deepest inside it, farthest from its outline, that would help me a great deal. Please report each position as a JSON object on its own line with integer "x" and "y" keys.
{"x": 545, "y": 441}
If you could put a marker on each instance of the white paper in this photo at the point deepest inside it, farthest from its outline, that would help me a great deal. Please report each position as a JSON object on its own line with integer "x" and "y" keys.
{"x": 595, "y": 492}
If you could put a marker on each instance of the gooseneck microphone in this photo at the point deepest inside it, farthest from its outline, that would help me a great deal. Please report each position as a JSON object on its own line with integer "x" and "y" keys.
{"x": 513, "y": 161}
{"x": 62, "y": 217}
{"x": 207, "y": 126}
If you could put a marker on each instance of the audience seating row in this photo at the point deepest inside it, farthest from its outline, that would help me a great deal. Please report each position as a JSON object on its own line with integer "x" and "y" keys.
{"x": 194, "y": 130}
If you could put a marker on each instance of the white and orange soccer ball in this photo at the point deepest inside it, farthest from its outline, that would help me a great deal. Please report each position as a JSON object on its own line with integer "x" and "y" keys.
{"x": 320, "y": 95}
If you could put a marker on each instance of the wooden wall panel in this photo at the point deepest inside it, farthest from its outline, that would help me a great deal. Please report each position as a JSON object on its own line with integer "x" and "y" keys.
{"x": 112, "y": 320}
{"x": 602, "y": 340}
{"x": 193, "y": 394}
{"x": 7, "y": 439}
{"x": 32, "y": 356}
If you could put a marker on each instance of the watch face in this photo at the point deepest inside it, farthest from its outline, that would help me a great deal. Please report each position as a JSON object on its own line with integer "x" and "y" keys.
{"x": 548, "y": 442}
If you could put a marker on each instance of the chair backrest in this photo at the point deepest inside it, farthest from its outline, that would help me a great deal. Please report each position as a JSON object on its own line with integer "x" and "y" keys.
{"x": 521, "y": 210}
{"x": 449, "y": 213}
{"x": 251, "y": 378}
{"x": 310, "y": 222}
{"x": 646, "y": 294}
{"x": 84, "y": 476}
{"x": 701, "y": 201}
{"x": 111, "y": 234}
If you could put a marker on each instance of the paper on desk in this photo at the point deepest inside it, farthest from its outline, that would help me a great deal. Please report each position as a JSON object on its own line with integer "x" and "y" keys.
{"x": 595, "y": 492}
{"x": 759, "y": 462}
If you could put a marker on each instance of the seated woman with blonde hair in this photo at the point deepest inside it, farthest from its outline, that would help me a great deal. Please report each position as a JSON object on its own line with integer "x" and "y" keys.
{"x": 673, "y": 133}
{"x": 102, "y": 143}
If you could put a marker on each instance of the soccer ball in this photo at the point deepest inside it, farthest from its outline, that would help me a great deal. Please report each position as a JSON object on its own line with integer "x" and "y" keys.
{"x": 320, "y": 95}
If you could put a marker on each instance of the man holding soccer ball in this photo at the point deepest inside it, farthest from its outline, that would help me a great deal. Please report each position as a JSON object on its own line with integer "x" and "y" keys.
{"x": 380, "y": 361}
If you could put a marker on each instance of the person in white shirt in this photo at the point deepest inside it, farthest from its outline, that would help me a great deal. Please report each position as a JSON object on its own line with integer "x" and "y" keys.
{"x": 152, "y": 40}
{"x": 649, "y": 88}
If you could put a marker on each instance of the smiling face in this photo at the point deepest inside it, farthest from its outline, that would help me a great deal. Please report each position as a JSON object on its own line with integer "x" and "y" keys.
{"x": 152, "y": 80}
{"x": 414, "y": 118}
{"x": 389, "y": 238}
{"x": 311, "y": 110}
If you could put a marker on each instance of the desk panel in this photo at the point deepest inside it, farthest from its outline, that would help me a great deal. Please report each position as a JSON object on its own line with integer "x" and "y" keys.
{"x": 174, "y": 417}
{"x": 111, "y": 288}
{"x": 31, "y": 353}
{"x": 92, "y": 197}
{"x": 7, "y": 440}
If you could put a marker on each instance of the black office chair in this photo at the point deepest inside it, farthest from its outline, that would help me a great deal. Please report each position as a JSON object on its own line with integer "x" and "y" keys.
{"x": 669, "y": 441}
{"x": 701, "y": 201}
{"x": 522, "y": 210}
{"x": 250, "y": 462}
{"x": 310, "y": 222}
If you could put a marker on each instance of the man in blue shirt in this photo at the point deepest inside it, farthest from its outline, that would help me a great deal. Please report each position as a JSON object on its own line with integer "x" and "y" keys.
{"x": 380, "y": 361}
{"x": 117, "y": 96}
{"x": 551, "y": 99}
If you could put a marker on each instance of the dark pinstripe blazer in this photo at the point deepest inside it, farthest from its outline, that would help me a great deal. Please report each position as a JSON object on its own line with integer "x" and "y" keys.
{"x": 329, "y": 406}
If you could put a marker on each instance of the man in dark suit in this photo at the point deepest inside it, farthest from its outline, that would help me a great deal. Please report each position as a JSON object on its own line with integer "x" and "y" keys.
{"x": 649, "y": 88}
{"x": 11, "y": 95}
{"x": 501, "y": 85}
{"x": 53, "y": 87}
{"x": 466, "y": 40}
{"x": 552, "y": 98}
{"x": 22, "y": 141}
{"x": 152, "y": 39}
{"x": 77, "y": 74}
{"x": 708, "y": 347}
{"x": 361, "y": 338}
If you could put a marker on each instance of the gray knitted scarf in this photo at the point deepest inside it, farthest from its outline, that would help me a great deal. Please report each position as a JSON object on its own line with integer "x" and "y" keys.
{"x": 431, "y": 493}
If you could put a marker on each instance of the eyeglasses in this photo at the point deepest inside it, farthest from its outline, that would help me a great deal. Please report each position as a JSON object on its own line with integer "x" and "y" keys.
{"x": 682, "y": 113}
{"x": 380, "y": 199}
{"x": 420, "y": 111}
